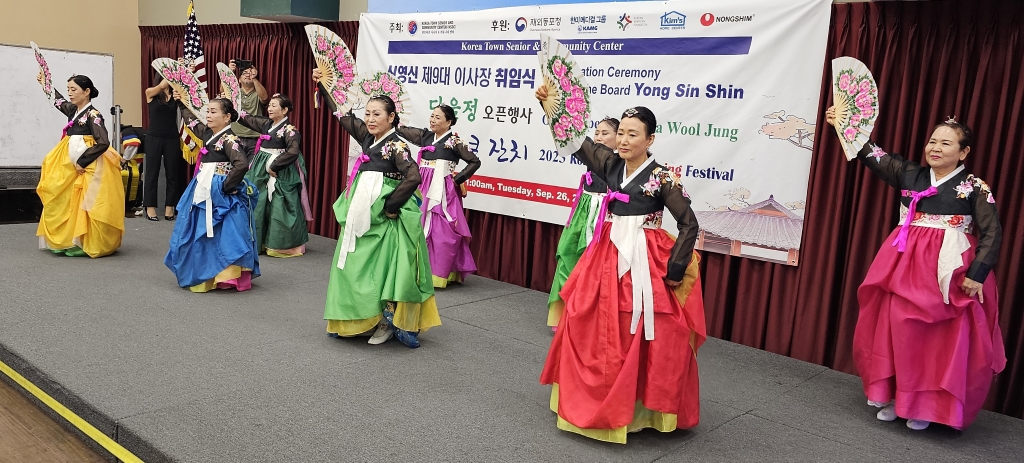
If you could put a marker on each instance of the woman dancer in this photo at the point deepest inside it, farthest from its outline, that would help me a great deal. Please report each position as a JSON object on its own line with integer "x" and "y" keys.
{"x": 927, "y": 342}
{"x": 279, "y": 173}
{"x": 381, "y": 274}
{"x": 80, "y": 180}
{"x": 624, "y": 356}
{"x": 212, "y": 245}
{"x": 444, "y": 222}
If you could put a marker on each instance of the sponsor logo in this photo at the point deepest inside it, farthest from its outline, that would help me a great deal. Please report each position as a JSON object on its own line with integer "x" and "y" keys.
{"x": 437, "y": 27}
{"x": 548, "y": 24}
{"x": 521, "y": 24}
{"x": 707, "y": 19}
{"x": 624, "y": 21}
{"x": 413, "y": 27}
{"x": 673, "y": 20}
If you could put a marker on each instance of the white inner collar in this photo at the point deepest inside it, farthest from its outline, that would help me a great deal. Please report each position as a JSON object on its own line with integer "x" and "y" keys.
{"x": 278, "y": 125}
{"x": 936, "y": 183}
{"x": 636, "y": 172}
{"x": 225, "y": 129}
{"x": 382, "y": 138}
{"x": 437, "y": 138}
{"x": 77, "y": 115}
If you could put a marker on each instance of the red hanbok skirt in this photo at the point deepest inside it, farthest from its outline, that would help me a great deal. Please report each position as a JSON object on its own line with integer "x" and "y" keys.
{"x": 605, "y": 375}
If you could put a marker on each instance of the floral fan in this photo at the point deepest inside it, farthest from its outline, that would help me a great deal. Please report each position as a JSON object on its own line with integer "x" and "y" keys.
{"x": 568, "y": 103}
{"x": 185, "y": 82}
{"x": 45, "y": 69}
{"x": 229, "y": 86}
{"x": 336, "y": 64}
{"x": 855, "y": 96}
{"x": 378, "y": 84}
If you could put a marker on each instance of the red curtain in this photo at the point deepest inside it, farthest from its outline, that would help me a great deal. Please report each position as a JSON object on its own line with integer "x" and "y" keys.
{"x": 280, "y": 52}
{"x": 931, "y": 59}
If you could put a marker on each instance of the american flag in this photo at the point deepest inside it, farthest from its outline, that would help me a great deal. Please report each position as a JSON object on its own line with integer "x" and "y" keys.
{"x": 194, "y": 55}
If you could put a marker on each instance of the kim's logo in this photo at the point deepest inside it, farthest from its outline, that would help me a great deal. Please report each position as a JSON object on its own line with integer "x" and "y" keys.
{"x": 413, "y": 27}
{"x": 673, "y": 20}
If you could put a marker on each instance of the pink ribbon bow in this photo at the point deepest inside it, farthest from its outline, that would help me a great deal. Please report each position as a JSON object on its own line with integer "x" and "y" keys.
{"x": 64, "y": 133}
{"x": 199, "y": 161}
{"x": 259, "y": 142}
{"x": 355, "y": 170}
{"x": 611, "y": 196}
{"x": 587, "y": 177}
{"x": 901, "y": 238}
{"x": 419, "y": 156}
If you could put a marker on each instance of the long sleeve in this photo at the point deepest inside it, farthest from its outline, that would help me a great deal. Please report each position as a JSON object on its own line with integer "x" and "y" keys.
{"x": 293, "y": 140}
{"x": 678, "y": 205}
{"x": 413, "y": 134}
{"x": 99, "y": 135}
{"x": 472, "y": 163}
{"x": 256, "y": 123}
{"x": 63, "y": 105}
{"x": 891, "y": 168}
{"x": 410, "y": 181}
{"x": 194, "y": 124}
{"x": 596, "y": 157}
{"x": 990, "y": 233}
{"x": 239, "y": 164}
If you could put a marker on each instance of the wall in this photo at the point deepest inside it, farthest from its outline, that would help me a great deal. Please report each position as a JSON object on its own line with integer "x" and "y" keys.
{"x": 99, "y": 26}
{"x": 172, "y": 12}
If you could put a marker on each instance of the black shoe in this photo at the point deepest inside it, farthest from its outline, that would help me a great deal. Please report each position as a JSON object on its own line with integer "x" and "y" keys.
{"x": 167, "y": 217}
{"x": 153, "y": 218}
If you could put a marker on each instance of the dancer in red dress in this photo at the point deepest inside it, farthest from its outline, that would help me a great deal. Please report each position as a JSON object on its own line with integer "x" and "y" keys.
{"x": 624, "y": 356}
{"x": 927, "y": 342}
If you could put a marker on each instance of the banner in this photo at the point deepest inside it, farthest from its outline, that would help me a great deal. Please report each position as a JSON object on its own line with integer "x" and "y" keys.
{"x": 734, "y": 85}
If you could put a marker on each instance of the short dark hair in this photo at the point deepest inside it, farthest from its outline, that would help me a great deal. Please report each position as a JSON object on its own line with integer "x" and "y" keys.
{"x": 283, "y": 100}
{"x": 449, "y": 113}
{"x": 965, "y": 132}
{"x": 226, "y": 107}
{"x": 645, "y": 115}
{"x": 389, "y": 106}
{"x": 86, "y": 84}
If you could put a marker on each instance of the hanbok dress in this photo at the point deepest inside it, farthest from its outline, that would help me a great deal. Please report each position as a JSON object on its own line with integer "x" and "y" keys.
{"x": 213, "y": 245}
{"x": 920, "y": 340}
{"x": 624, "y": 356}
{"x": 380, "y": 274}
{"x": 282, "y": 212}
{"x": 444, "y": 221}
{"x": 83, "y": 213}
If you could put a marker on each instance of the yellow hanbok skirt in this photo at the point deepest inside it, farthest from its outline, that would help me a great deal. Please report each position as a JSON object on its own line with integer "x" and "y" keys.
{"x": 84, "y": 211}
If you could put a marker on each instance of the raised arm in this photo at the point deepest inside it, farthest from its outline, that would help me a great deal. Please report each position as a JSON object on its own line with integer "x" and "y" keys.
{"x": 990, "y": 232}
{"x": 292, "y": 140}
{"x": 400, "y": 155}
{"x": 153, "y": 92}
{"x": 239, "y": 163}
{"x": 352, "y": 124}
{"x": 597, "y": 157}
{"x": 891, "y": 168}
{"x": 413, "y": 134}
{"x": 193, "y": 123}
{"x": 257, "y": 123}
{"x": 63, "y": 105}
{"x": 678, "y": 204}
{"x": 472, "y": 163}
{"x": 99, "y": 135}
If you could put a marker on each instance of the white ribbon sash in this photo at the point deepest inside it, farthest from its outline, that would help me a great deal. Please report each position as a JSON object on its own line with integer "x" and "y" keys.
{"x": 357, "y": 221}
{"x": 436, "y": 193}
{"x": 272, "y": 182}
{"x": 630, "y": 240}
{"x": 204, "y": 187}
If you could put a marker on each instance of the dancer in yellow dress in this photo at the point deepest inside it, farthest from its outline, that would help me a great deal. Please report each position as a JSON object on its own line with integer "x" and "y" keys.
{"x": 80, "y": 181}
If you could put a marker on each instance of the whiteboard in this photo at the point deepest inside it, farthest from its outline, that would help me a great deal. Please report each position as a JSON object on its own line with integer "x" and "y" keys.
{"x": 33, "y": 126}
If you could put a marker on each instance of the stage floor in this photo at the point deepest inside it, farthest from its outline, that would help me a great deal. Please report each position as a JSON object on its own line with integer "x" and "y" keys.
{"x": 246, "y": 377}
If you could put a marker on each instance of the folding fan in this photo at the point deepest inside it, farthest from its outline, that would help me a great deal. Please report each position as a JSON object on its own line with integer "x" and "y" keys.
{"x": 567, "y": 105}
{"x": 855, "y": 96}
{"x": 185, "y": 82}
{"x": 45, "y": 69}
{"x": 229, "y": 86}
{"x": 335, "y": 62}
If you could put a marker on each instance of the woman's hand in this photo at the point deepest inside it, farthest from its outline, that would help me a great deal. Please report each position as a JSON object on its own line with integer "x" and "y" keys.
{"x": 79, "y": 169}
{"x": 672, "y": 283}
{"x": 972, "y": 287}
{"x": 541, "y": 93}
{"x": 390, "y": 215}
{"x": 317, "y": 75}
{"x": 830, "y": 115}
{"x": 176, "y": 95}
